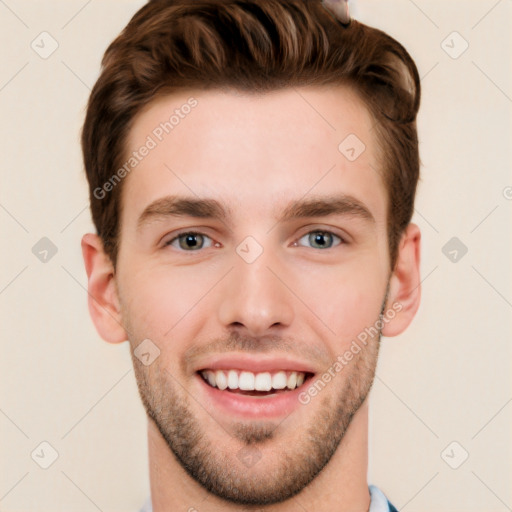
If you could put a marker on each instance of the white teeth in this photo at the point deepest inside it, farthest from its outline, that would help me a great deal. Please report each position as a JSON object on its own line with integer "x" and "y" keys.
{"x": 263, "y": 382}
{"x": 248, "y": 381}
{"x": 211, "y": 378}
{"x": 232, "y": 379}
{"x": 279, "y": 380}
{"x": 292, "y": 380}
{"x": 222, "y": 381}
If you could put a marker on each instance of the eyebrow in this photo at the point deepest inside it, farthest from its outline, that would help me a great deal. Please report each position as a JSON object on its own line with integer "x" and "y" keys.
{"x": 179, "y": 206}
{"x": 327, "y": 205}
{"x": 206, "y": 208}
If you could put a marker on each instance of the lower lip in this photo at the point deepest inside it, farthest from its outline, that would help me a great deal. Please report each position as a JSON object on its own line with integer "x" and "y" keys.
{"x": 265, "y": 406}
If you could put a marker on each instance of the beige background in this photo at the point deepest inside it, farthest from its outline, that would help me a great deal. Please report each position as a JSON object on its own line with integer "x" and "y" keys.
{"x": 448, "y": 378}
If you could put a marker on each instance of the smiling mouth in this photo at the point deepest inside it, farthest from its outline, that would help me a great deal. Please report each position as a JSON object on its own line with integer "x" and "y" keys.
{"x": 254, "y": 384}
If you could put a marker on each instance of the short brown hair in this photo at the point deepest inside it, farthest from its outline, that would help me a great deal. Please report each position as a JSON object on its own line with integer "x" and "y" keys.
{"x": 254, "y": 46}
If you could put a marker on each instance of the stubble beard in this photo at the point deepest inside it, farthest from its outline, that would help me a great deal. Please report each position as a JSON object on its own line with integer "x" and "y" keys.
{"x": 169, "y": 406}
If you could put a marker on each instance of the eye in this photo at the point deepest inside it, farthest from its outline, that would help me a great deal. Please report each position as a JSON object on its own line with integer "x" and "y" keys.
{"x": 190, "y": 241}
{"x": 321, "y": 239}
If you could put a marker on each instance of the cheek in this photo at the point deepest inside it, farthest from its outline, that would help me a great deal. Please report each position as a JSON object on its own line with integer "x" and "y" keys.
{"x": 161, "y": 300}
{"x": 347, "y": 299}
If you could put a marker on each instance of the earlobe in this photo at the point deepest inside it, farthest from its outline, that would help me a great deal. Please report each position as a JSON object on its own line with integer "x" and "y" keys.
{"x": 103, "y": 300}
{"x": 405, "y": 285}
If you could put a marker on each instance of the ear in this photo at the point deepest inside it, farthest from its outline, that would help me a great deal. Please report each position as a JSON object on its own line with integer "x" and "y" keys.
{"x": 103, "y": 297}
{"x": 404, "y": 287}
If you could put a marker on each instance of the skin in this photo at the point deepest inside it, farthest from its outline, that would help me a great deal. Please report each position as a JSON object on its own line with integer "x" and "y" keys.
{"x": 254, "y": 154}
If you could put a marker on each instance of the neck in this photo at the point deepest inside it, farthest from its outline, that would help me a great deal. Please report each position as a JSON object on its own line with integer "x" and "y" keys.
{"x": 340, "y": 487}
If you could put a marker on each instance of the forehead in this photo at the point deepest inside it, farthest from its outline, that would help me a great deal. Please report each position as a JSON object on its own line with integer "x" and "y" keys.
{"x": 253, "y": 152}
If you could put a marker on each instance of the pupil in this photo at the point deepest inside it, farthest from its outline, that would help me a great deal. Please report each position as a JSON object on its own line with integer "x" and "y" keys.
{"x": 191, "y": 241}
{"x": 320, "y": 238}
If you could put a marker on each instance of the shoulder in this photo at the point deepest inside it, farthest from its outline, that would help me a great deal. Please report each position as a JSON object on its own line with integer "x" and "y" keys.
{"x": 147, "y": 506}
{"x": 379, "y": 502}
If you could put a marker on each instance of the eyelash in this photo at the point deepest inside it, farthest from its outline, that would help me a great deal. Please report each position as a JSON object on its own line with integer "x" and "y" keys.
{"x": 184, "y": 233}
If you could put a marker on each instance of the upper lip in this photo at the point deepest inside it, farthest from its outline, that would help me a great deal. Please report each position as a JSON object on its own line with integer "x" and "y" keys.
{"x": 254, "y": 364}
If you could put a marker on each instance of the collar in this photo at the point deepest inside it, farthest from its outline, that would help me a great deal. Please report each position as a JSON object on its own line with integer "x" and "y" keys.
{"x": 378, "y": 502}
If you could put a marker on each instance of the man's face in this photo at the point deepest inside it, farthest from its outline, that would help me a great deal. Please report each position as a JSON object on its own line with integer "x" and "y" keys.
{"x": 253, "y": 297}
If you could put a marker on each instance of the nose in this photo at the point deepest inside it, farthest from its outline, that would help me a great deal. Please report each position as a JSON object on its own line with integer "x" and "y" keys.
{"x": 254, "y": 297}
